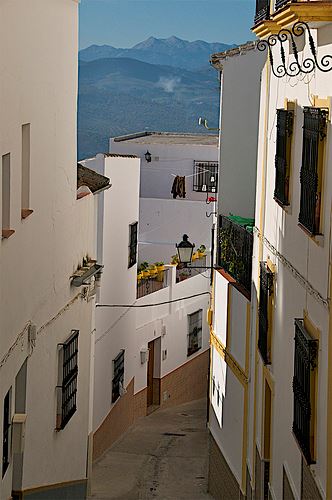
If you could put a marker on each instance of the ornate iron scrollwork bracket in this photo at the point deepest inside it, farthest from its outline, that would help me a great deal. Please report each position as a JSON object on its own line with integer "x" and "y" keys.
{"x": 296, "y": 67}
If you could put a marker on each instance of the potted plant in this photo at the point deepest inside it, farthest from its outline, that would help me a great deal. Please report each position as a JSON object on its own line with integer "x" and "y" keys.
{"x": 201, "y": 251}
{"x": 174, "y": 260}
{"x": 160, "y": 270}
{"x": 153, "y": 270}
{"x": 144, "y": 270}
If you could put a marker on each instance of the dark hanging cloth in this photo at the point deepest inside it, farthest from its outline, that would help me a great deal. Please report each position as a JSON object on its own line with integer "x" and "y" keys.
{"x": 179, "y": 187}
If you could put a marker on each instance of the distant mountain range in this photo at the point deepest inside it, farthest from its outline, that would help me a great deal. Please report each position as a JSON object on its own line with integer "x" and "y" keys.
{"x": 120, "y": 95}
{"x": 165, "y": 51}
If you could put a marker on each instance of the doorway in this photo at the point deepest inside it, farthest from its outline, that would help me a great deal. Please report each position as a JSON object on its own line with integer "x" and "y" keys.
{"x": 153, "y": 375}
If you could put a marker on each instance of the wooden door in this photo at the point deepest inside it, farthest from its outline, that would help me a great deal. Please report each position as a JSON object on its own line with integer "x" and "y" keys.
{"x": 150, "y": 373}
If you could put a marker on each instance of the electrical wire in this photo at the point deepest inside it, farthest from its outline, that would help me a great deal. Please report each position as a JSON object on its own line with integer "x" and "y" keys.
{"x": 155, "y": 304}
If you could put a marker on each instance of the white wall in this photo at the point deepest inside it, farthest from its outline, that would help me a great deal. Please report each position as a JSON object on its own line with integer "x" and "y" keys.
{"x": 176, "y": 159}
{"x": 239, "y": 122}
{"x": 115, "y": 328}
{"x": 174, "y": 317}
{"x": 163, "y": 223}
{"x": 310, "y": 258}
{"x": 38, "y": 79}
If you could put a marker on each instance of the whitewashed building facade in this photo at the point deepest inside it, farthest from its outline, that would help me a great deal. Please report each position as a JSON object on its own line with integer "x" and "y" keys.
{"x": 47, "y": 241}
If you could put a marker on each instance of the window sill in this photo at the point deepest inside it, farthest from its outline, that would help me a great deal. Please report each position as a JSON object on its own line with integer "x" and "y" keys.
{"x": 25, "y": 212}
{"x": 316, "y": 238}
{"x": 7, "y": 233}
{"x": 285, "y": 207}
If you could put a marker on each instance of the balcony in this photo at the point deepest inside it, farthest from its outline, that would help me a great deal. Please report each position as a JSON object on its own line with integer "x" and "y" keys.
{"x": 262, "y": 11}
{"x": 235, "y": 244}
{"x": 152, "y": 283}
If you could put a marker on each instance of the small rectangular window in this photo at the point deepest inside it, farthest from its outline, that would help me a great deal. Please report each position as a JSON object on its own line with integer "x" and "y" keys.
{"x": 118, "y": 376}
{"x": 25, "y": 187}
{"x": 205, "y": 176}
{"x": 283, "y": 155}
{"x": 305, "y": 373}
{"x": 132, "y": 257}
{"x": 314, "y": 135}
{"x": 6, "y": 432}
{"x": 194, "y": 332}
{"x": 68, "y": 374}
{"x": 6, "y": 192}
{"x": 264, "y": 330}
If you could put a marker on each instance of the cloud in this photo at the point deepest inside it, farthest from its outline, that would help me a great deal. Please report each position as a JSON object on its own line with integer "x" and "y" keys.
{"x": 168, "y": 84}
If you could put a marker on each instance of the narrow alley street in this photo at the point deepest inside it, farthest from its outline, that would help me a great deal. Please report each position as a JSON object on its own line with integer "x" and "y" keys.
{"x": 164, "y": 455}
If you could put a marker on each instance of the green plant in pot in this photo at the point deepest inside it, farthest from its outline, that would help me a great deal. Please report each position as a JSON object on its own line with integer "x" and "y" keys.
{"x": 160, "y": 269}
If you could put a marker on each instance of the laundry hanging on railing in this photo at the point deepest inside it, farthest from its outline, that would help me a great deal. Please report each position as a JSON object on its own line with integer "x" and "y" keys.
{"x": 179, "y": 187}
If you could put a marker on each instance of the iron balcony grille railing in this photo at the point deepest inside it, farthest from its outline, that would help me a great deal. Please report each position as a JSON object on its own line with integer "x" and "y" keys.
{"x": 262, "y": 10}
{"x": 305, "y": 362}
{"x": 118, "y": 376}
{"x": 195, "y": 332}
{"x": 152, "y": 284}
{"x": 265, "y": 290}
{"x": 69, "y": 378}
{"x": 235, "y": 247}
{"x": 205, "y": 177}
{"x": 282, "y": 157}
{"x": 314, "y": 131}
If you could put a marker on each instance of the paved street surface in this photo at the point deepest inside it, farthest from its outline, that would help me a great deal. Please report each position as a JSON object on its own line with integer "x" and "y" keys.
{"x": 164, "y": 455}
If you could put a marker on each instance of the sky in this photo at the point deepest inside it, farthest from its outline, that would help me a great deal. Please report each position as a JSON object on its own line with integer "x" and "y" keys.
{"x": 123, "y": 23}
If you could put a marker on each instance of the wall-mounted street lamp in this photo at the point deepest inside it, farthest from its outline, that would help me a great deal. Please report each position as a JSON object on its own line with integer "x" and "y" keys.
{"x": 185, "y": 250}
{"x": 148, "y": 157}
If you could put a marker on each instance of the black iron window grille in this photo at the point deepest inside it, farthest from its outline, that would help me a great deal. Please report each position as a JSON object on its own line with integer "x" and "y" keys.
{"x": 6, "y": 433}
{"x": 262, "y": 10}
{"x": 235, "y": 250}
{"x": 205, "y": 177}
{"x": 314, "y": 133}
{"x": 132, "y": 258}
{"x": 280, "y": 3}
{"x": 118, "y": 376}
{"x": 305, "y": 365}
{"x": 69, "y": 373}
{"x": 282, "y": 157}
{"x": 195, "y": 332}
{"x": 265, "y": 291}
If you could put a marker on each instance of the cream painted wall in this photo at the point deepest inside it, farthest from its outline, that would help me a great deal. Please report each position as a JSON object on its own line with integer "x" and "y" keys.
{"x": 38, "y": 79}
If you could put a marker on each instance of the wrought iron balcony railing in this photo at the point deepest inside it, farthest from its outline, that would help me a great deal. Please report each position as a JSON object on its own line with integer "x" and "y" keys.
{"x": 152, "y": 284}
{"x": 262, "y": 11}
{"x": 235, "y": 248}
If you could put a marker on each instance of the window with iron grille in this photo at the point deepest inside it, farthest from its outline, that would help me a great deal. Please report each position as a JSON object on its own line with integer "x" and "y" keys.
{"x": 265, "y": 291}
{"x": 132, "y": 257}
{"x": 305, "y": 366}
{"x": 68, "y": 374}
{"x": 205, "y": 176}
{"x": 262, "y": 10}
{"x": 195, "y": 332}
{"x": 118, "y": 376}
{"x": 282, "y": 158}
{"x": 6, "y": 433}
{"x": 314, "y": 133}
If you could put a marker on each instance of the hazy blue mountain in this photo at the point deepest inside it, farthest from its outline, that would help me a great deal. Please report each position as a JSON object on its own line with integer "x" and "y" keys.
{"x": 121, "y": 95}
{"x": 165, "y": 51}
